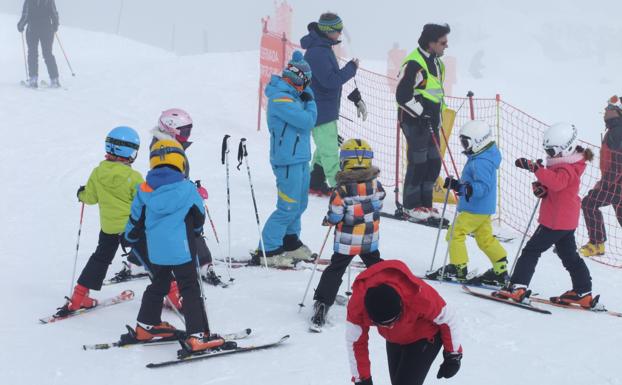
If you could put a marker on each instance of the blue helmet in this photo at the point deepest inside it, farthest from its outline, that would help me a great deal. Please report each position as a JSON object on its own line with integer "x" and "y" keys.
{"x": 123, "y": 142}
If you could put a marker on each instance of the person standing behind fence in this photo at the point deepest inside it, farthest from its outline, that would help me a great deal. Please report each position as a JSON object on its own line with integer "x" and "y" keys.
{"x": 419, "y": 96}
{"x": 41, "y": 17}
{"x": 608, "y": 190}
{"x": 327, "y": 83}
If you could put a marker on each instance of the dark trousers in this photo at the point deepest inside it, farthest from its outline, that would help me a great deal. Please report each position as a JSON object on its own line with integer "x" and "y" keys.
{"x": 192, "y": 304}
{"x": 591, "y": 204}
{"x": 424, "y": 165}
{"x": 331, "y": 279}
{"x": 46, "y": 37}
{"x": 94, "y": 272}
{"x": 409, "y": 364}
{"x": 564, "y": 241}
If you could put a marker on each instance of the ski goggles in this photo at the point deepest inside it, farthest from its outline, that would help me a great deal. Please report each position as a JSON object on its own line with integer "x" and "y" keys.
{"x": 306, "y": 80}
{"x": 355, "y": 154}
{"x": 118, "y": 142}
{"x": 465, "y": 141}
{"x": 184, "y": 132}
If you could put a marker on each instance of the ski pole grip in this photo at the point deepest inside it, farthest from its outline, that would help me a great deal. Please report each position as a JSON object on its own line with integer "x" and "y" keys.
{"x": 241, "y": 152}
{"x": 198, "y": 183}
{"x": 225, "y": 148}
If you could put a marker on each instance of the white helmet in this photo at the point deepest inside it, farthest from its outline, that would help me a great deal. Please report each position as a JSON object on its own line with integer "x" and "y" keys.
{"x": 475, "y": 135}
{"x": 560, "y": 139}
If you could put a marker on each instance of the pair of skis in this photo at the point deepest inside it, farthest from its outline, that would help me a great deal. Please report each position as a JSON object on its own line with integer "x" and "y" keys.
{"x": 529, "y": 306}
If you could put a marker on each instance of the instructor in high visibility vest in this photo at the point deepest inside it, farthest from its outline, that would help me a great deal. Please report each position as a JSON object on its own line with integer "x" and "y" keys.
{"x": 419, "y": 95}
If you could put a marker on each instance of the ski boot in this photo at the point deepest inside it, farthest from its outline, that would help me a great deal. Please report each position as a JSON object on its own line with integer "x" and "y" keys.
{"x": 54, "y": 83}
{"x": 174, "y": 298}
{"x": 303, "y": 254}
{"x": 573, "y": 298}
{"x": 125, "y": 274}
{"x": 32, "y": 82}
{"x": 144, "y": 333}
{"x": 490, "y": 277}
{"x": 592, "y": 249}
{"x": 452, "y": 273}
{"x": 317, "y": 182}
{"x": 79, "y": 300}
{"x": 203, "y": 343}
{"x": 320, "y": 309}
{"x": 277, "y": 259}
{"x": 209, "y": 276}
{"x": 417, "y": 214}
{"x": 516, "y": 293}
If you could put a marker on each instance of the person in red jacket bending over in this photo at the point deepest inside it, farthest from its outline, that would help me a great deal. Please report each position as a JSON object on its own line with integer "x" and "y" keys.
{"x": 558, "y": 187}
{"x": 410, "y": 315}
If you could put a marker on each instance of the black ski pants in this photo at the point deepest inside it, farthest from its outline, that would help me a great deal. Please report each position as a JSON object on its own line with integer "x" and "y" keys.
{"x": 46, "y": 37}
{"x": 424, "y": 164}
{"x": 94, "y": 272}
{"x": 591, "y": 204}
{"x": 564, "y": 241}
{"x": 331, "y": 279}
{"x": 192, "y": 304}
{"x": 410, "y": 364}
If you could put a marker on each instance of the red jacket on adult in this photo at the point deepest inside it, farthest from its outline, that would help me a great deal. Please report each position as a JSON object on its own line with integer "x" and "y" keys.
{"x": 424, "y": 314}
{"x": 560, "y": 208}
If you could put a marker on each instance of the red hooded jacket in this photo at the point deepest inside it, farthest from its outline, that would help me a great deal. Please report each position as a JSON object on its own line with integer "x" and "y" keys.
{"x": 561, "y": 207}
{"x": 424, "y": 315}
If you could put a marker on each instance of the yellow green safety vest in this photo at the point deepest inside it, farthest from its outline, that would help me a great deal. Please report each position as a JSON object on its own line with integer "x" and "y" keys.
{"x": 433, "y": 90}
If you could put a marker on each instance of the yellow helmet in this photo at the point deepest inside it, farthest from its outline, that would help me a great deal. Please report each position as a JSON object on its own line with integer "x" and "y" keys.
{"x": 167, "y": 152}
{"x": 355, "y": 154}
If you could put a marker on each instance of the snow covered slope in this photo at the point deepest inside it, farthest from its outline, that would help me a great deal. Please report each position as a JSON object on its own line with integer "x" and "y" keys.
{"x": 52, "y": 140}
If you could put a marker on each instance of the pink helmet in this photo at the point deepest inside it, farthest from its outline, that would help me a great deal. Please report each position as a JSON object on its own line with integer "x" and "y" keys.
{"x": 177, "y": 123}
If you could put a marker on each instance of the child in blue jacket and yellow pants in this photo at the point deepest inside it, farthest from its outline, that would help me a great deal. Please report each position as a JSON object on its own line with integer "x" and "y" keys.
{"x": 478, "y": 191}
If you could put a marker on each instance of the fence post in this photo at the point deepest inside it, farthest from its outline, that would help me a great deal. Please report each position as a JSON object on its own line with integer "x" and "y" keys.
{"x": 119, "y": 18}
{"x": 471, "y": 107}
{"x": 260, "y": 98}
{"x": 284, "y": 50}
{"x": 498, "y": 101}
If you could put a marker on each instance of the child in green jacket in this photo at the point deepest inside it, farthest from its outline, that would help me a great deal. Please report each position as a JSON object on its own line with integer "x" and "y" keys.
{"x": 113, "y": 186}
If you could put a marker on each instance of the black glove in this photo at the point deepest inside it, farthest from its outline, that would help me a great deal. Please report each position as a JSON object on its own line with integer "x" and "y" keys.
{"x": 529, "y": 165}
{"x": 462, "y": 189}
{"x": 339, "y": 140}
{"x": 82, "y": 188}
{"x": 325, "y": 222}
{"x": 450, "y": 365}
{"x": 366, "y": 381}
{"x": 539, "y": 190}
{"x": 355, "y": 96}
{"x": 306, "y": 97}
{"x": 21, "y": 26}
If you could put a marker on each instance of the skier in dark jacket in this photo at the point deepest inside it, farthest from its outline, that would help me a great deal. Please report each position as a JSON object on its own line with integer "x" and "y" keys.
{"x": 327, "y": 81}
{"x": 419, "y": 96}
{"x": 608, "y": 190}
{"x": 41, "y": 17}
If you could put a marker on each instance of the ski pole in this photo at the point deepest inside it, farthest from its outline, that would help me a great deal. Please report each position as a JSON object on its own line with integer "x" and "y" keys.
{"x": 75, "y": 260}
{"x": 25, "y": 60}
{"x": 224, "y": 158}
{"x": 317, "y": 259}
{"x": 209, "y": 216}
{"x": 451, "y": 237}
{"x": 151, "y": 278}
{"x": 64, "y": 54}
{"x": 522, "y": 241}
{"x": 348, "y": 291}
{"x": 440, "y": 227}
{"x": 202, "y": 289}
{"x": 243, "y": 156}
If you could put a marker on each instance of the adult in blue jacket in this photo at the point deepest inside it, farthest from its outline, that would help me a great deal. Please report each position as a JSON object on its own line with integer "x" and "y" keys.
{"x": 291, "y": 115}
{"x": 327, "y": 83}
{"x": 169, "y": 211}
{"x": 477, "y": 189}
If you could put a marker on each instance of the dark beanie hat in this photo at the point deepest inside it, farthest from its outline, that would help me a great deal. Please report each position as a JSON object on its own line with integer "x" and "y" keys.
{"x": 431, "y": 33}
{"x": 330, "y": 22}
{"x": 382, "y": 303}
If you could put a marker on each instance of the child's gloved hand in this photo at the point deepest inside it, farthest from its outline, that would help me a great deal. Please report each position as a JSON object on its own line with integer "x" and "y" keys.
{"x": 325, "y": 222}
{"x": 529, "y": 165}
{"x": 539, "y": 190}
{"x": 80, "y": 189}
{"x": 202, "y": 192}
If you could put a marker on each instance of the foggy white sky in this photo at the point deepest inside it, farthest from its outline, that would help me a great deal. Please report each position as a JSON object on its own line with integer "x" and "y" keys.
{"x": 234, "y": 25}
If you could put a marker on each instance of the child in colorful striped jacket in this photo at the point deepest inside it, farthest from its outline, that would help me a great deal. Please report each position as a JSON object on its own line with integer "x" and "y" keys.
{"x": 354, "y": 209}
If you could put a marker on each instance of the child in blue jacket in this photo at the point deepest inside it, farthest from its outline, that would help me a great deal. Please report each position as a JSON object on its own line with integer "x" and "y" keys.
{"x": 478, "y": 191}
{"x": 169, "y": 211}
{"x": 291, "y": 115}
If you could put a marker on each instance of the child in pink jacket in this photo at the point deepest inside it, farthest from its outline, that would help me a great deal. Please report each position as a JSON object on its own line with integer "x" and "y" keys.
{"x": 558, "y": 186}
